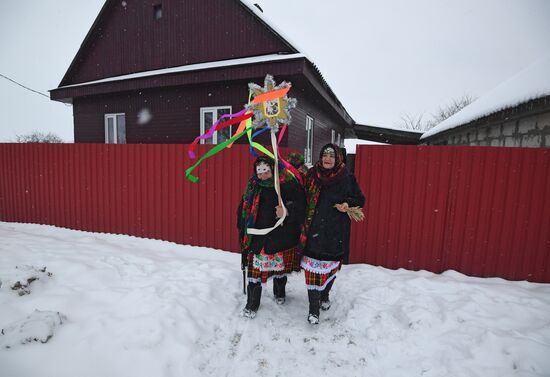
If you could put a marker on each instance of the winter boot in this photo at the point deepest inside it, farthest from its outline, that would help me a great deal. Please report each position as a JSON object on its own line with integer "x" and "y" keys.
{"x": 325, "y": 302}
{"x": 254, "y": 293}
{"x": 314, "y": 301}
{"x": 279, "y": 289}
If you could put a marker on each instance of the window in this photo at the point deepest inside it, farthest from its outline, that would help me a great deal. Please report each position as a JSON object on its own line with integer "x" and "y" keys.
{"x": 209, "y": 116}
{"x": 309, "y": 140}
{"x": 332, "y": 136}
{"x": 339, "y": 141}
{"x": 115, "y": 128}
{"x": 157, "y": 11}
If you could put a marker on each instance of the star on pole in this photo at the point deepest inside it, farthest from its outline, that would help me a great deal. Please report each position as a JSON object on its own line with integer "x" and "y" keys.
{"x": 274, "y": 111}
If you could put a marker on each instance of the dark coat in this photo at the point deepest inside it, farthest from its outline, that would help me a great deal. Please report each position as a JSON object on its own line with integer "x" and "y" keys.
{"x": 283, "y": 237}
{"x": 329, "y": 232}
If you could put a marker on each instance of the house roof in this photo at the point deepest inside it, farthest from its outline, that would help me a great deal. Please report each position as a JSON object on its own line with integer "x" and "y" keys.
{"x": 531, "y": 83}
{"x": 84, "y": 43}
{"x": 387, "y": 135}
{"x": 271, "y": 25}
{"x": 110, "y": 5}
{"x": 191, "y": 67}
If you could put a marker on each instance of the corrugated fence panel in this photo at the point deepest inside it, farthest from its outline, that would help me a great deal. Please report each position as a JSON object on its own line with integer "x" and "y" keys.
{"x": 481, "y": 211}
{"x": 130, "y": 189}
{"x": 405, "y": 206}
{"x": 478, "y": 210}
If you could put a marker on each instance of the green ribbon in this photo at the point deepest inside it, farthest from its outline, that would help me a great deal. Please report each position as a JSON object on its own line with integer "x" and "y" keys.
{"x": 219, "y": 147}
{"x": 211, "y": 153}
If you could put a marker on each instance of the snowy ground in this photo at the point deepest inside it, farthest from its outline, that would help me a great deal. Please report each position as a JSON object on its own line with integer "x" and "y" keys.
{"x": 121, "y": 306}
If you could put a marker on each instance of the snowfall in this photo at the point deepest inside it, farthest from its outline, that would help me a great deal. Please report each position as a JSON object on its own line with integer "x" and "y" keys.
{"x": 75, "y": 303}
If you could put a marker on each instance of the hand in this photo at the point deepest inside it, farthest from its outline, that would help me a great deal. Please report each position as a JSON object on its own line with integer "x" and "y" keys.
{"x": 342, "y": 207}
{"x": 279, "y": 211}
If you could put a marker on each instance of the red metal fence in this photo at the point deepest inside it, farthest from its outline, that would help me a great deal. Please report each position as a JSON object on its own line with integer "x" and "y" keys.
{"x": 481, "y": 211}
{"x": 131, "y": 189}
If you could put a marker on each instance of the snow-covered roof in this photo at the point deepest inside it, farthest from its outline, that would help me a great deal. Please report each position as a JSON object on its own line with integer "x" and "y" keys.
{"x": 273, "y": 26}
{"x": 531, "y": 83}
{"x": 393, "y": 128}
{"x": 192, "y": 67}
{"x": 250, "y": 5}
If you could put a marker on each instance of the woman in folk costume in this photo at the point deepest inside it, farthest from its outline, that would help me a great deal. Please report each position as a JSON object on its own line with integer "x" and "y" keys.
{"x": 273, "y": 255}
{"x": 331, "y": 190}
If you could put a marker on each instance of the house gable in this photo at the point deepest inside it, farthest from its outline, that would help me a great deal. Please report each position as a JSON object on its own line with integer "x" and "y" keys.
{"x": 127, "y": 38}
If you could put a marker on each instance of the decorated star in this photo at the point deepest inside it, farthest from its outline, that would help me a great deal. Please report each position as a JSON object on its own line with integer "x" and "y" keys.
{"x": 270, "y": 106}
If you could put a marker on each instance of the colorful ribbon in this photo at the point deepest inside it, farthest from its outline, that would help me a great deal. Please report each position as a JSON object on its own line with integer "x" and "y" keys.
{"x": 210, "y": 153}
{"x": 235, "y": 118}
{"x": 243, "y": 117}
{"x": 270, "y": 95}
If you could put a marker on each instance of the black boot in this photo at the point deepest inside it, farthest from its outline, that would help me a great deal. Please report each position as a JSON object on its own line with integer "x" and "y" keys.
{"x": 325, "y": 302}
{"x": 254, "y": 295}
{"x": 314, "y": 302}
{"x": 279, "y": 285}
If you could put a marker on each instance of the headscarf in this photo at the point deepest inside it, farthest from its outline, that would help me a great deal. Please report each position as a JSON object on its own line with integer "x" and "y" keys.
{"x": 297, "y": 160}
{"x": 325, "y": 176}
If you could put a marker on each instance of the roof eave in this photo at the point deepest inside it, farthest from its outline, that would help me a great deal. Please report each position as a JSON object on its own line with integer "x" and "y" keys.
{"x": 529, "y": 108}
{"x": 387, "y": 135}
{"x": 289, "y": 66}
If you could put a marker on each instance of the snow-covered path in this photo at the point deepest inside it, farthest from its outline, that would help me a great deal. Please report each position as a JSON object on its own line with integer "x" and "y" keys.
{"x": 135, "y": 307}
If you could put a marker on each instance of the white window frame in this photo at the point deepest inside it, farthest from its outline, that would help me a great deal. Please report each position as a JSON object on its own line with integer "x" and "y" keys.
{"x": 157, "y": 11}
{"x": 338, "y": 140}
{"x": 308, "y": 151}
{"x": 214, "y": 111}
{"x": 332, "y": 136}
{"x": 115, "y": 126}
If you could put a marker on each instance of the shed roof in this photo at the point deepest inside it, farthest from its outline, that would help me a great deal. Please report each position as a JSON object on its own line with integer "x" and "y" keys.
{"x": 531, "y": 83}
{"x": 387, "y": 135}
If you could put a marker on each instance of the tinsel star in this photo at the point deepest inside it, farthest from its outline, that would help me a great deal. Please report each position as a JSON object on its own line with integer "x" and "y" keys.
{"x": 274, "y": 112}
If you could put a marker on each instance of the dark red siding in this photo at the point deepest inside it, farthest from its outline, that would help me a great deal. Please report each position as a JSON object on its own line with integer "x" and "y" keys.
{"x": 176, "y": 113}
{"x": 127, "y": 39}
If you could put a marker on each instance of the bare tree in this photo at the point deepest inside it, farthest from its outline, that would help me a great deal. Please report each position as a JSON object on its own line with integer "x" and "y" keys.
{"x": 418, "y": 123}
{"x": 38, "y": 137}
{"x": 413, "y": 122}
{"x": 452, "y": 108}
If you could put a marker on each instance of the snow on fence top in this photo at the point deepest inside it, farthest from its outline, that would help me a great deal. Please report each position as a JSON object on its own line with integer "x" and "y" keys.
{"x": 531, "y": 83}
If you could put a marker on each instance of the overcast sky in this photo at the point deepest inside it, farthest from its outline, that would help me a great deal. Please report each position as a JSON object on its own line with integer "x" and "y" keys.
{"x": 383, "y": 59}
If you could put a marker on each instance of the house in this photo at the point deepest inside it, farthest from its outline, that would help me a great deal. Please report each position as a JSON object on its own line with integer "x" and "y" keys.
{"x": 163, "y": 71}
{"x": 514, "y": 114}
